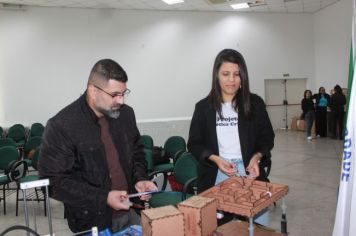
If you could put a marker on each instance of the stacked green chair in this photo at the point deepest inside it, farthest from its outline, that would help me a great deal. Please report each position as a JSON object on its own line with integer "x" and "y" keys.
{"x": 175, "y": 146}
{"x": 149, "y": 160}
{"x": 28, "y": 178}
{"x": 8, "y": 154}
{"x": 146, "y": 141}
{"x": 185, "y": 173}
{"x": 17, "y": 132}
{"x": 7, "y": 142}
{"x": 31, "y": 144}
{"x": 154, "y": 170}
{"x": 36, "y": 130}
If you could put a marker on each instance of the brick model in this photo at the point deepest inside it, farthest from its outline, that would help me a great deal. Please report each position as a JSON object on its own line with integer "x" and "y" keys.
{"x": 199, "y": 216}
{"x": 243, "y": 196}
{"x": 162, "y": 221}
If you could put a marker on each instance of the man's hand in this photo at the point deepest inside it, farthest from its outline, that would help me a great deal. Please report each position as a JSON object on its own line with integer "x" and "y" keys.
{"x": 144, "y": 186}
{"x": 118, "y": 200}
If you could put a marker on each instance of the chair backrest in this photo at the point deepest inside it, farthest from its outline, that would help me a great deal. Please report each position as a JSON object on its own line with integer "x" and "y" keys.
{"x": 7, "y": 155}
{"x": 36, "y": 129}
{"x": 32, "y": 143}
{"x": 174, "y": 144}
{"x": 185, "y": 168}
{"x": 35, "y": 158}
{"x": 146, "y": 141}
{"x": 17, "y": 132}
{"x": 7, "y": 142}
{"x": 149, "y": 159}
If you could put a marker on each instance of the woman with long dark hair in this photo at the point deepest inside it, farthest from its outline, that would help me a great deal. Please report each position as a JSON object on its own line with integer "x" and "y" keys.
{"x": 337, "y": 105}
{"x": 308, "y": 108}
{"x": 230, "y": 132}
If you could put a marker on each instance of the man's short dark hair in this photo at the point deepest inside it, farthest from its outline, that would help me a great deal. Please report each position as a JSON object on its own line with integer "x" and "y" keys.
{"x": 106, "y": 69}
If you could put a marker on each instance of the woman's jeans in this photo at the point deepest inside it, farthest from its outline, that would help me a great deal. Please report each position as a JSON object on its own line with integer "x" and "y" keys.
{"x": 309, "y": 119}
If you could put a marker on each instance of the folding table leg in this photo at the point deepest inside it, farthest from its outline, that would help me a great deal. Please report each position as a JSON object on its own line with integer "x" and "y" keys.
{"x": 35, "y": 184}
{"x": 284, "y": 218}
{"x": 250, "y": 227}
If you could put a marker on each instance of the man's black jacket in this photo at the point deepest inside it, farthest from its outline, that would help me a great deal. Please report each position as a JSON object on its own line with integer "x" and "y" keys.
{"x": 73, "y": 158}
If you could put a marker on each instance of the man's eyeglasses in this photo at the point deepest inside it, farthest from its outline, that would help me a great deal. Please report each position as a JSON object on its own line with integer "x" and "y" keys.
{"x": 114, "y": 95}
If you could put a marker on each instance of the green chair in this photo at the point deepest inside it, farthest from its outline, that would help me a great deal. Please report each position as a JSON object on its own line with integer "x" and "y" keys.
{"x": 185, "y": 173}
{"x": 149, "y": 160}
{"x": 28, "y": 178}
{"x": 1, "y": 132}
{"x": 31, "y": 144}
{"x": 7, "y": 142}
{"x": 8, "y": 154}
{"x": 17, "y": 132}
{"x": 36, "y": 129}
{"x": 164, "y": 169}
{"x": 174, "y": 146}
{"x": 154, "y": 171}
{"x": 146, "y": 141}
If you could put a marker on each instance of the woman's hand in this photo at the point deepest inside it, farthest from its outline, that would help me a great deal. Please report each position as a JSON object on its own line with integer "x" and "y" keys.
{"x": 145, "y": 186}
{"x": 226, "y": 167}
{"x": 253, "y": 167}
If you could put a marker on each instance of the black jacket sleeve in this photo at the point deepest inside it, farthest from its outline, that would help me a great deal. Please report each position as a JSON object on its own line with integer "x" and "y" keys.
{"x": 58, "y": 162}
{"x": 265, "y": 135}
{"x": 199, "y": 134}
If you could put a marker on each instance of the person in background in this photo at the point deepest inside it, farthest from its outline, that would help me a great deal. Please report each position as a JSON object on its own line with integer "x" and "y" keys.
{"x": 91, "y": 155}
{"x": 230, "y": 132}
{"x": 322, "y": 102}
{"x": 337, "y": 105}
{"x": 308, "y": 112}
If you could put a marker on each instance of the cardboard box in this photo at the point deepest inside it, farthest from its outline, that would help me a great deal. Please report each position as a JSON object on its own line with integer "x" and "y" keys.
{"x": 301, "y": 125}
{"x": 199, "y": 215}
{"x": 162, "y": 221}
{"x": 293, "y": 125}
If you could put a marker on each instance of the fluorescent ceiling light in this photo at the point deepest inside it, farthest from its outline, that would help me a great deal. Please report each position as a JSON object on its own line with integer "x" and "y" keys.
{"x": 240, "y": 6}
{"x": 171, "y": 2}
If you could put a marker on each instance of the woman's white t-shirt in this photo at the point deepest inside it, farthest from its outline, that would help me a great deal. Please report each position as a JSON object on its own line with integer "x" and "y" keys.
{"x": 227, "y": 132}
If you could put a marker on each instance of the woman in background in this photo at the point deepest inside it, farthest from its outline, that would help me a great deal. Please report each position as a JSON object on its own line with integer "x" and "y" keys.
{"x": 230, "y": 132}
{"x": 308, "y": 112}
{"x": 322, "y": 102}
{"x": 337, "y": 105}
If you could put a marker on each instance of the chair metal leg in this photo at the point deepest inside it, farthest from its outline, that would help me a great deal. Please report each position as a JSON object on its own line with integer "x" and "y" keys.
{"x": 17, "y": 201}
{"x": 38, "y": 199}
{"x": 45, "y": 206}
{"x": 3, "y": 194}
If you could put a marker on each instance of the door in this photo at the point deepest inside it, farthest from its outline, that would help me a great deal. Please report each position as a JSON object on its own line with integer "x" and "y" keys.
{"x": 283, "y": 97}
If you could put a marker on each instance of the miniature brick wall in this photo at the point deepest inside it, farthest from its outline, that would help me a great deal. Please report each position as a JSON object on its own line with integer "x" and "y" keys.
{"x": 162, "y": 221}
{"x": 199, "y": 216}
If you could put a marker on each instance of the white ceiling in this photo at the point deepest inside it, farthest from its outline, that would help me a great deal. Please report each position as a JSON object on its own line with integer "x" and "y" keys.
{"x": 270, "y": 6}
